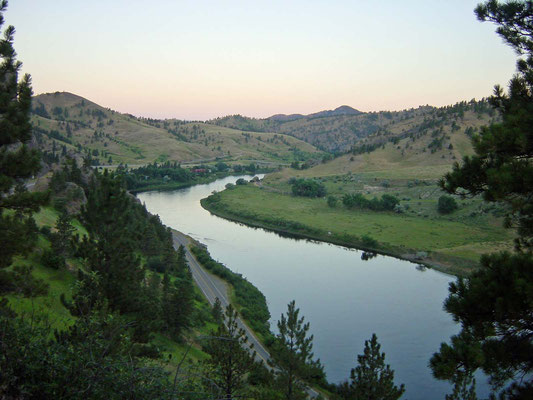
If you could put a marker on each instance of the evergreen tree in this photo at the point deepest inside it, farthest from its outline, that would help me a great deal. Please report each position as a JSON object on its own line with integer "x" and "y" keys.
{"x": 62, "y": 238}
{"x": 91, "y": 359}
{"x": 217, "y": 311}
{"x": 17, "y": 161}
{"x": 231, "y": 357}
{"x": 292, "y": 352}
{"x": 457, "y": 364}
{"x": 110, "y": 249}
{"x": 372, "y": 379}
{"x": 494, "y": 305}
{"x": 177, "y": 306}
{"x": 502, "y": 169}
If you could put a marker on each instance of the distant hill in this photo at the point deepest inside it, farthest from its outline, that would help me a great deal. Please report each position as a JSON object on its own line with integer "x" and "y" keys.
{"x": 67, "y": 123}
{"x": 342, "y": 110}
{"x": 423, "y": 143}
{"x": 340, "y": 130}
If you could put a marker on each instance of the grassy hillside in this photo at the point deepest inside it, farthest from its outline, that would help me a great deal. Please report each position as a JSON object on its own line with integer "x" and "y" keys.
{"x": 340, "y": 132}
{"x": 403, "y": 153}
{"x": 84, "y": 127}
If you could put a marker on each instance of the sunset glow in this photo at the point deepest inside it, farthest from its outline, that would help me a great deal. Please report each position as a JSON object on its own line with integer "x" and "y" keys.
{"x": 203, "y": 59}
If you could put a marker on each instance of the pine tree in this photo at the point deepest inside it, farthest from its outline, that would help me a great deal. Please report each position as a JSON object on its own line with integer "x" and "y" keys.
{"x": 230, "y": 358}
{"x": 17, "y": 161}
{"x": 292, "y": 352}
{"x": 494, "y": 305}
{"x": 216, "y": 311}
{"x": 502, "y": 168}
{"x": 372, "y": 379}
{"x": 111, "y": 247}
{"x": 62, "y": 238}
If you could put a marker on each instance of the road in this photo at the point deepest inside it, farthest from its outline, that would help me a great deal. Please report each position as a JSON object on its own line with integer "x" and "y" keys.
{"x": 212, "y": 287}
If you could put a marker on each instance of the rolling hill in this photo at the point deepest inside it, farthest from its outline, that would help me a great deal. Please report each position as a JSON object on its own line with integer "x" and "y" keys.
{"x": 64, "y": 122}
{"x": 345, "y": 128}
{"x": 423, "y": 148}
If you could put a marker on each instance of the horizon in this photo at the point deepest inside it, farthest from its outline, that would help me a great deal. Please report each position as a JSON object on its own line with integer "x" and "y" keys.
{"x": 207, "y": 60}
{"x": 246, "y": 116}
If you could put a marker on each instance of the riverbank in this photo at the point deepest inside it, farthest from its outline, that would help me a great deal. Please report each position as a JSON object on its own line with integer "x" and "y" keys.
{"x": 431, "y": 243}
{"x": 161, "y": 187}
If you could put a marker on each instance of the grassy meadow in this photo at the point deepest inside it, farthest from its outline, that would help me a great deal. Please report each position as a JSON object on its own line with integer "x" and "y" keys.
{"x": 453, "y": 243}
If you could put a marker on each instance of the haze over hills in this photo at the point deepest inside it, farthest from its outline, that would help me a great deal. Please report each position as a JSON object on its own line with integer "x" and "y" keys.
{"x": 83, "y": 127}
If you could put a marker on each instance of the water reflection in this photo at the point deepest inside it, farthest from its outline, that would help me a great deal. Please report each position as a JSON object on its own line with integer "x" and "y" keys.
{"x": 345, "y": 294}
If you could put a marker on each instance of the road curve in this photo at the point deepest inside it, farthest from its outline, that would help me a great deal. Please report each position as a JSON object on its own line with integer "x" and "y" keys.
{"x": 212, "y": 287}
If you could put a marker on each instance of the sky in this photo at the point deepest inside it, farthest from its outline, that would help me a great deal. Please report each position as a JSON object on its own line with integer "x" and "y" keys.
{"x": 198, "y": 60}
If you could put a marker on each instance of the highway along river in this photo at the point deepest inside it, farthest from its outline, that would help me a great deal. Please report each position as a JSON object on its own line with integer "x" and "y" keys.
{"x": 344, "y": 298}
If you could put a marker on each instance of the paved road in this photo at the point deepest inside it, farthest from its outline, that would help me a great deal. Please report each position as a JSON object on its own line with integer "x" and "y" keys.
{"x": 212, "y": 287}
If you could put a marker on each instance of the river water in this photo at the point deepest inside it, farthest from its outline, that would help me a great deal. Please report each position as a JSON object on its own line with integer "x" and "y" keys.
{"x": 344, "y": 298}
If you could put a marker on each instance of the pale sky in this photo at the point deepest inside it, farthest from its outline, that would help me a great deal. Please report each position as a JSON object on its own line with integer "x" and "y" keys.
{"x": 203, "y": 59}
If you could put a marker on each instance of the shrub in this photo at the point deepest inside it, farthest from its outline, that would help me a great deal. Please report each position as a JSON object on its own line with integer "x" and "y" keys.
{"x": 308, "y": 188}
{"x": 446, "y": 205}
{"x": 369, "y": 241}
{"x": 332, "y": 201}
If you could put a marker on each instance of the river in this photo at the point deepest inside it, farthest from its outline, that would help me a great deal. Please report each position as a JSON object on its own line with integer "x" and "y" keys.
{"x": 344, "y": 298}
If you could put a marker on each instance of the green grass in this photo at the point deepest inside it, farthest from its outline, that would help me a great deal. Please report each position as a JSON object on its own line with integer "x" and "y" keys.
{"x": 448, "y": 241}
{"x": 47, "y": 216}
{"x": 49, "y": 305}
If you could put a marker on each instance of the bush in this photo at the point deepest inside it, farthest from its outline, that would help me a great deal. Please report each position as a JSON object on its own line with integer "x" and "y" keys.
{"x": 332, "y": 201}
{"x": 446, "y": 205}
{"x": 386, "y": 203}
{"x": 241, "y": 181}
{"x": 369, "y": 241}
{"x": 308, "y": 188}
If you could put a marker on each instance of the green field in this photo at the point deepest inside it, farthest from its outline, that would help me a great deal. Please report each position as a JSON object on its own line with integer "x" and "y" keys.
{"x": 451, "y": 245}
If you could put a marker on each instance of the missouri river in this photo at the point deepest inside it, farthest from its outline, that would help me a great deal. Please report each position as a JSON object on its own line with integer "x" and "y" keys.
{"x": 344, "y": 298}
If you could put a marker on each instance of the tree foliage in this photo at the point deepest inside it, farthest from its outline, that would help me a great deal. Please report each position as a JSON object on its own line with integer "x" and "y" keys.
{"x": 387, "y": 202}
{"x": 293, "y": 356}
{"x": 502, "y": 169}
{"x": 371, "y": 379}
{"x": 17, "y": 161}
{"x": 308, "y": 188}
{"x": 495, "y": 304}
{"x": 92, "y": 359}
{"x": 231, "y": 357}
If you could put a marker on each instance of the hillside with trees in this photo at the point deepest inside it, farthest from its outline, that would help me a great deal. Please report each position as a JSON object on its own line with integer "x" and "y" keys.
{"x": 345, "y": 129}
{"x": 64, "y": 123}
